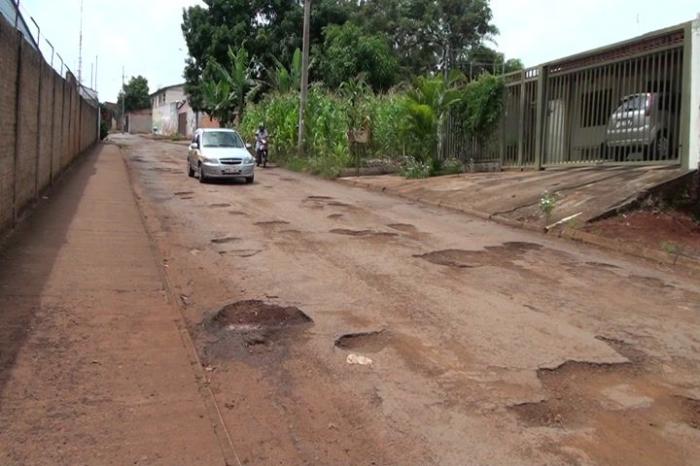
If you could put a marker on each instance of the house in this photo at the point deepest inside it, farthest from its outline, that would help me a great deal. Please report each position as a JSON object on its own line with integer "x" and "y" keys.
{"x": 164, "y": 109}
{"x": 139, "y": 121}
{"x": 172, "y": 113}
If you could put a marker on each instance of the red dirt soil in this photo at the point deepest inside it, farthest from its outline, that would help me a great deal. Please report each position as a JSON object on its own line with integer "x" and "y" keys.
{"x": 653, "y": 229}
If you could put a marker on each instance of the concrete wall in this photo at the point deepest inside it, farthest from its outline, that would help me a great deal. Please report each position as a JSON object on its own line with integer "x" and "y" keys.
{"x": 44, "y": 124}
{"x": 165, "y": 119}
{"x": 140, "y": 122}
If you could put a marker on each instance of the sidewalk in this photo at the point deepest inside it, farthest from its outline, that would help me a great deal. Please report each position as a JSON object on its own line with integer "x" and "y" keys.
{"x": 94, "y": 368}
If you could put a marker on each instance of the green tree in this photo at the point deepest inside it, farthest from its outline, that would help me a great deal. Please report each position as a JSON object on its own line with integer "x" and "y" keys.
{"x": 482, "y": 59}
{"x": 429, "y": 35}
{"x": 348, "y": 52}
{"x": 269, "y": 30}
{"x": 135, "y": 94}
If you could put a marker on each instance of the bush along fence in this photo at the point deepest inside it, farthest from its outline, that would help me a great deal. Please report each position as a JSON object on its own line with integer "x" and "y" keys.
{"x": 630, "y": 103}
{"x": 45, "y": 122}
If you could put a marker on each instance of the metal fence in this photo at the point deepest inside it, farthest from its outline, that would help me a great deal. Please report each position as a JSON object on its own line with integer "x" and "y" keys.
{"x": 622, "y": 104}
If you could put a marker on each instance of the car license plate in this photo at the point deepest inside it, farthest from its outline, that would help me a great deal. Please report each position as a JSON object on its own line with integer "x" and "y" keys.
{"x": 232, "y": 172}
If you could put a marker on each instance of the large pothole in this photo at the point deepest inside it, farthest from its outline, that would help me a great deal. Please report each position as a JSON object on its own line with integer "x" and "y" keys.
{"x": 254, "y": 315}
{"x": 252, "y": 327}
{"x": 498, "y": 256}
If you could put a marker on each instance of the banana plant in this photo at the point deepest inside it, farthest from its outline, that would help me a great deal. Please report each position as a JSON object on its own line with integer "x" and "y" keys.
{"x": 282, "y": 79}
{"x": 226, "y": 89}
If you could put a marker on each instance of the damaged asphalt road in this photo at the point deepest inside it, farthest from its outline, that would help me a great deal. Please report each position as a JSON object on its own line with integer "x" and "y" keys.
{"x": 489, "y": 345}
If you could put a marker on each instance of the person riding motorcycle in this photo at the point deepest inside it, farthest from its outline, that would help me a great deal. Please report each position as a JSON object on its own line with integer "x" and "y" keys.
{"x": 261, "y": 137}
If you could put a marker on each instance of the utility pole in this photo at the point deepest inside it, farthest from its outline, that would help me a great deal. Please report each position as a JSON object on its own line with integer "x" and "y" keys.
{"x": 123, "y": 99}
{"x": 80, "y": 46}
{"x": 304, "y": 75}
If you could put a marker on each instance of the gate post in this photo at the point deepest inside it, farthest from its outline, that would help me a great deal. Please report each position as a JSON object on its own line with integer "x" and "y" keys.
{"x": 521, "y": 119}
{"x": 690, "y": 98}
{"x": 541, "y": 116}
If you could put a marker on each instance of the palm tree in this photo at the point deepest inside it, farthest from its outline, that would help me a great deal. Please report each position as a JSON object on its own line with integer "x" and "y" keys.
{"x": 427, "y": 104}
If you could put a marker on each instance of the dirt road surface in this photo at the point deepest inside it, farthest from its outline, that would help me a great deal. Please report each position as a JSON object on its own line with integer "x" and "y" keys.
{"x": 488, "y": 345}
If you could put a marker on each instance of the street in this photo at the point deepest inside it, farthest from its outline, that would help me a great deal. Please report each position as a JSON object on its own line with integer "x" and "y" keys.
{"x": 485, "y": 344}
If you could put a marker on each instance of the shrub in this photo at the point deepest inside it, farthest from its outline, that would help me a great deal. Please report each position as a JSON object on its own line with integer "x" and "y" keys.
{"x": 413, "y": 168}
{"x": 104, "y": 130}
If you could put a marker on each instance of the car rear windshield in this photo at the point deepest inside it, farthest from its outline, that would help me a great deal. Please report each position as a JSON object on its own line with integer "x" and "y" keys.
{"x": 222, "y": 139}
{"x": 633, "y": 103}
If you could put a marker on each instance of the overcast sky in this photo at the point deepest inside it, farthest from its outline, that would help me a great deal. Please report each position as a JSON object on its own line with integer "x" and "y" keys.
{"x": 144, "y": 36}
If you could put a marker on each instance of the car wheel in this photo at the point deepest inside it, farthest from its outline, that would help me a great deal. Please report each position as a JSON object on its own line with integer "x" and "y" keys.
{"x": 190, "y": 171}
{"x": 202, "y": 176}
{"x": 250, "y": 179}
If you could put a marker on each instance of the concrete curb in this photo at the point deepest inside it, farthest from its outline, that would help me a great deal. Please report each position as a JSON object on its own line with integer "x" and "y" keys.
{"x": 567, "y": 233}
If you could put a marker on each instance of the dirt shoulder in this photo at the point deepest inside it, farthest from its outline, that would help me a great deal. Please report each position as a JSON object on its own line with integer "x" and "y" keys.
{"x": 94, "y": 361}
{"x": 672, "y": 231}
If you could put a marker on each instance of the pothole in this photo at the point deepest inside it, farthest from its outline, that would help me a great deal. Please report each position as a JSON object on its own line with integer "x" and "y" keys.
{"x": 540, "y": 414}
{"x": 184, "y": 193}
{"x": 225, "y": 240}
{"x": 254, "y": 315}
{"x": 237, "y": 212}
{"x": 368, "y": 342}
{"x": 516, "y": 246}
{"x": 458, "y": 258}
{"x": 362, "y": 233}
{"x": 603, "y": 265}
{"x": 338, "y": 204}
{"x": 253, "y": 327}
{"x": 650, "y": 282}
{"x": 498, "y": 256}
{"x": 219, "y": 205}
{"x": 165, "y": 170}
{"x": 318, "y": 198}
{"x": 405, "y": 227}
{"x": 335, "y": 216}
{"x": 690, "y": 410}
{"x": 636, "y": 356}
{"x": 271, "y": 223}
{"x": 573, "y": 388}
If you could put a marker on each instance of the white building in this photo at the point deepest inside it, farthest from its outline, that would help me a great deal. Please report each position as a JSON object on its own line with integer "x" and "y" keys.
{"x": 173, "y": 115}
{"x": 164, "y": 105}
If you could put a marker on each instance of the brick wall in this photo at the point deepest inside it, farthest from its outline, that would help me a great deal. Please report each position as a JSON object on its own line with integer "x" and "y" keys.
{"x": 44, "y": 124}
{"x": 9, "y": 47}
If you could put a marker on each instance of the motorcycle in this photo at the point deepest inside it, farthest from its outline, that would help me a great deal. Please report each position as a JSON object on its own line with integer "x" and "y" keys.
{"x": 261, "y": 152}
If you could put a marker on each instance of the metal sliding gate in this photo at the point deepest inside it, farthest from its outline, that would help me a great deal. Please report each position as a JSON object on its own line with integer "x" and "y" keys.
{"x": 622, "y": 104}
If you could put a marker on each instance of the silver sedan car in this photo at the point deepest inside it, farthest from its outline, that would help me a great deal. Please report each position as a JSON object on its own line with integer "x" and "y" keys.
{"x": 219, "y": 154}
